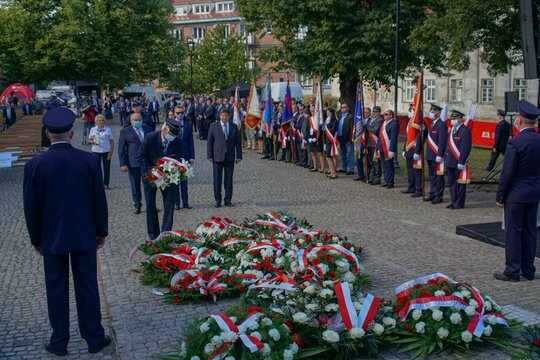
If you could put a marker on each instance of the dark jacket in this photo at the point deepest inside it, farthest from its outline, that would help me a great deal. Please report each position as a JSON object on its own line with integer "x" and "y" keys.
{"x": 348, "y": 124}
{"x": 27, "y": 109}
{"x": 220, "y": 149}
{"x": 64, "y": 200}
{"x": 502, "y": 134}
{"x": 187, "y": 148}
{"x": 438, "y": 134}
{"x": 392, "y": 130}
{"x": 463, "y": 140}
{"x": 152, "y": 150}
{"x": 520, "y": 178}
{"x": 129, "y": 144}
{"x": 373, "y": 126}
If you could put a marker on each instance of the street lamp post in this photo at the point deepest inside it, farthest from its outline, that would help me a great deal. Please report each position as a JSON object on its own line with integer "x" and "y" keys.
{"x": 190, "y": 45}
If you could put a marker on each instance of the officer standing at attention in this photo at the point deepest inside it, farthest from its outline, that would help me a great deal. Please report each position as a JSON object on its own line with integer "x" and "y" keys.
{"x": 66, "y": 214}
{"x": 437, "y": 138}
{"x": 519, "y": 194}
{"x": 502, "y": 134}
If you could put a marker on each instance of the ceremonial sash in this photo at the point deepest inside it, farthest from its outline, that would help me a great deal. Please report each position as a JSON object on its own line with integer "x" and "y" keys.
{"x": 464, "y": 177}
{"x": 333, "y": 142}
{"x": 315, "y": 129}
{"x": 385, "y": 141}
{"x": 435, "y": 148}
{"x": 417, "y": 164}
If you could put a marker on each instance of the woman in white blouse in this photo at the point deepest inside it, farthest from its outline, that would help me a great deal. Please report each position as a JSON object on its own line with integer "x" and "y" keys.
{"x": 101, "y": 139}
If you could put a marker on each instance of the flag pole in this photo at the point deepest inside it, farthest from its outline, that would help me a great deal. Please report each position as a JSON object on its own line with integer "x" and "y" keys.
{"x": 366, "y": 152}
{"x": 422, "y": 132}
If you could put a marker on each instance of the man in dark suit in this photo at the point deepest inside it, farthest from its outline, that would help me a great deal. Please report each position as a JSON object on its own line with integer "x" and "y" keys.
{"x": 502, "y": 134}
{"x": 187, "y": 152}
{"x": 387, "y": 145}
{"x": 436, "y": 140}
{"x": 27, "y": 108}
{"x": 190, "y": 112}
{"x": 9, "y": 114}
{"x": 153, "y": 109}
{"x": 372, "y": 128}
{"x": 129, "y": 144}
{"x": 344, "y": 134}
{"x": 457, "y": 153}
{"x": 156, "y": 145}
{"x": 519, "y": 194}
{"x": 199, "y": 116}
{"x": 209, "y": 115}
{"x": 224, "y": 148}
{"x": 66, "y": 183}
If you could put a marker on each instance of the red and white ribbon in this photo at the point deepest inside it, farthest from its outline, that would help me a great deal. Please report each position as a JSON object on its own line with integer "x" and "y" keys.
{"x": 234, "y": 241}
{"x": 348, "y": 313}
{"x": 385, "y": 140}
{"x": 206, "y": 287}
{"x": 349, "y": 255}
{"x": 464, "y": 177}
{"x": 180, "y": 257}
{"x": 280, "y": 282}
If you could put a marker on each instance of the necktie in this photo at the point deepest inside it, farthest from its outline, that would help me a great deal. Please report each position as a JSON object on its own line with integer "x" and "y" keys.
{"x": 225, "y": 131}
{"x": 139, "y": 132}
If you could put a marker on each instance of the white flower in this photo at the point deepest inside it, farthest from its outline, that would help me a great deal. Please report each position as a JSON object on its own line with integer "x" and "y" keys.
{"x": 437, "y": 315}
{"x": 183, "y": 349}
{"x": 253, "y": 326}
{"x": 357, "y": 306}
{"x": 286, "y": 328}
{"x": 266, "y": 349}
{"x": 300, "y": 318}
{"x": 310, "y": 290}
{"x": 195, "y": 358}
{"x": 470, "y": 310}
{"x": 209, "y": 348}
{"x": 473, "y": 303}
{"x": 217, "y": 341}
{"x": 326, "y": 294}
{"x": 455, "y": 318}
{"x": 378, "y": 329}
{"x": 294, "y": 348}
{"x": 279, "y": 262}
{"x": 266, "y": 321}
{"x": 204, "y": 327}
{"x": 443, "y": 333}
{"x": 312, "y": 255}
{"x": 466, "y": 336}
{"x": 488, "y": 330}
{"x": 356, "y": 333}
{"x": 256, "y": 335}
{"x": 420, "y": 327}
{"x": 417, "y": 314}
{"x": 312, "y": 307}
{"x": 229, "y": 358}
{"x": 287, "y": 355}
{"x": 466, "y": 293}
{"x": 487, "y": 306}
{"x": 458, "y": 294}
{"x": 390, "y": 322}
{"x": 330, "y": 336}
{"x": 274, "y": 334}
{"x": 439, "y": 293}
{"x": 342, "y": 265}
{"x": 233, "y": 319}
{"x": 331, "y": 308}
{"x": 324, "y": 268}
{"x": 349, "y": 277}
{"x": 229, "y": 336}
{"x": 492, "y": 320}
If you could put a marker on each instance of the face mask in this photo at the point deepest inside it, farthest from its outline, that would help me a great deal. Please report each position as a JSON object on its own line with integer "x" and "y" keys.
{"x": 180, "y": 116}
{"x": 432, "y": 116}
{"x": 169, "y": 137}
{"x": 137, "y": 124}
{"x": 454, "y": 122}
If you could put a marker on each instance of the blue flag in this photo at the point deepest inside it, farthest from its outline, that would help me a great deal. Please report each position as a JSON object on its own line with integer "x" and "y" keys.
{"x": 267, "y": 116}
{"x": 359, "y": 121}
{"x": 287, "y": 108}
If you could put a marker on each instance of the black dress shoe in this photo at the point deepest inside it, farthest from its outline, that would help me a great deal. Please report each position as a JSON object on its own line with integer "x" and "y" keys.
{"x": 103, "y": 344}
{"x": 176, "y": 207}
{"x": 341, "y": 171}
{"x": 137, "y": 211}
{"x": 271, "y": 158}
{"x": 389, "y": 186}
{"x": 288, "y": 161}
{"x": 449, "y": 206}
{"x": 406, "y": 192}
{"x": 281, "y": 160}
{"x": 436, "y": 201}
{"x": 416, "y": 195}
{"x": 49, "y": 348}
{"x": 187, "y": 207}
{"x": 350, "y": 173}
{"x": 503, "y": 277}
{"x": 228, "y": 204}
{"x": 429, "y": 198}
{"x": 264, "y": 157}
{"x": 528, "y": 277}
{"x": 384, "y": 185}
{"x": 218, "y": 205}
{"x": 375, "y": 183}
{"x": 357, "y": 179}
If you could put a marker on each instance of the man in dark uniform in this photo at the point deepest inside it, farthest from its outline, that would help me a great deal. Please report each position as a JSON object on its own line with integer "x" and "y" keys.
{"x": 372, "y": 129}
{"x": 187, "y": 153}
{"x": 437, "y": 138}
{"x": 519, "y": 194}
{"x": 387, "y": 146}
{"x": 224, "y": 149}
{"x": 502, "y": 134}
{"x": 414, "y": 171}
{"x": 66, "y": 184}
{"x": 199, "y": 117}
{"x": 457, "y": 153}
{"x": 361, "y": 150}
{"x": 156, "y": 145}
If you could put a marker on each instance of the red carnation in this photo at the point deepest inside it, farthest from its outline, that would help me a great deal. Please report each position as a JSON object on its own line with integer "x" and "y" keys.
{"x": 298, "y": 340}
{"x": 347, "y": 246}
{"x": 536, "y": 342}
{"x": 176, "y": 300}
{"x": 332, "y": 275}
{"x": 323, "y": 320}
{"x": 329, "y": 258}
{"x": 255, "y": 308}
{"x": 409, "y": 327}
{"x": 289, "y": 324}
{"x": 316, "y": 261}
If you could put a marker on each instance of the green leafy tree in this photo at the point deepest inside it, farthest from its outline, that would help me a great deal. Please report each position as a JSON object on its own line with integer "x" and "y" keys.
{"x": 219, "y": 61}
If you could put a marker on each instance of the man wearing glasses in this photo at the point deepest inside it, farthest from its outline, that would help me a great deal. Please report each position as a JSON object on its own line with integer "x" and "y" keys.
{"x": 387, "y": 146}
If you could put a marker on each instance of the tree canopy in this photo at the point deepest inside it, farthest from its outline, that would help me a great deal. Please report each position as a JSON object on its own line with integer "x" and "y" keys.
{"x": 115, "y": 41}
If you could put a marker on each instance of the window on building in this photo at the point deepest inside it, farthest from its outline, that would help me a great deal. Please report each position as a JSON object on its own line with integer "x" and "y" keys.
{"x": 179, "y": 33}
{"x": 456, "y": 90}
{"x": 327, "y": 82}
{"x": 306, "y": 80}
{"x": 181, "y": 10}
{"x": 387, "y": 95}
{"x": 487, "y": 90}
{"x": 268, "y": 29}
{"x": 430, "y": 90}
{"x": 410, "y": 87}
{"x": 225, "y": 6}
{"x": 281, "y": 79}
{"x": 201, "y": 9}
{"x": 198, "y": 32}
{"x": 242, "y": 30}
{"x": 227, "y": 28}
{"x": 520, "y": 85}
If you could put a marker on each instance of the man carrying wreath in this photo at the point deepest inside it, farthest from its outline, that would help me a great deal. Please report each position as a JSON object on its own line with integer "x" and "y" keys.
{"x": 156, "y": 145}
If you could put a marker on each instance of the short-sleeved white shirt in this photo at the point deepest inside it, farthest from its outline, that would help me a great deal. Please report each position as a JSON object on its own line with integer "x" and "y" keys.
{"x": 102, "y": 138}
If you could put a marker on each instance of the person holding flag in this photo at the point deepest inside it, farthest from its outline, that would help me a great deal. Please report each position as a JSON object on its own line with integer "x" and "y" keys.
{"x": 437, "y": 138}
{"x": 267, "y": 124}
{"x": 372, "y": 129}
{"x": 387, "y": 146}
{"x": 286, "y": 118}
{"x": 358, "y": 136}
{"x": 457, "y": 154}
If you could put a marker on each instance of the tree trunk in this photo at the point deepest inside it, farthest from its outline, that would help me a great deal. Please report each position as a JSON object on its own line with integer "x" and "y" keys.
{"x": 347, "y": 90}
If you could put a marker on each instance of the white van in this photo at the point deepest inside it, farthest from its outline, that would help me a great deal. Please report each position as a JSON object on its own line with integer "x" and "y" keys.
{"x": 278, "y": 91}
{"x": 147, "y": 91}
{"x": 163, "y": 96}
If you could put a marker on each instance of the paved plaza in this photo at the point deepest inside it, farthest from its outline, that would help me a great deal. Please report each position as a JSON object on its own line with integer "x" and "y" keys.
{"x": 402, "y": 238}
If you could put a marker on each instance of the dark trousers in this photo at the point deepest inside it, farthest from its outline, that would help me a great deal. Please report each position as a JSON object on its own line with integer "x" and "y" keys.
{"x": 84, "y": 270}
{"x": 152, "y": 221}
{"x": 360, "y": 165}
{"x": 206, "y": 126}
{"x": 286, "y": 152}
{"x": 221, "y": 167}
{"x": 181, "y": 192}
{"x": 202, "y": 129}
{"x": 414, "y": 177}
{"x": 388, "y": 171}
{"x": 374, "y": 166}
{"x": 193, "y": 124}
{"x": 155, "y": 117}
{"x": 269, "y": 147}
{"x": 493, "y": 159}
{"x": 124, "y": 118}
{"x": 458, "y": 192}
{"x": 520, "y": 234}
{"x": 294, "y": 149}
{"x": 135, "y": 182}
{"x": 436, "y": 186}
{"x": 106, "y": 163}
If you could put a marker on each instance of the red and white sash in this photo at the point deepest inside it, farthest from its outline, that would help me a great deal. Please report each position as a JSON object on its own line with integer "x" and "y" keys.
{"x": 464, "y": 177}
{"x": 333, "y": 142}
{"x": 435, "y": 148}
{"x": 375, "y": 140}
{"x": 385, "y": 141}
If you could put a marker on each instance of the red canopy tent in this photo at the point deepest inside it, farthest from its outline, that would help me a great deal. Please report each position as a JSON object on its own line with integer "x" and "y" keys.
{"x": 23, "y": 92}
